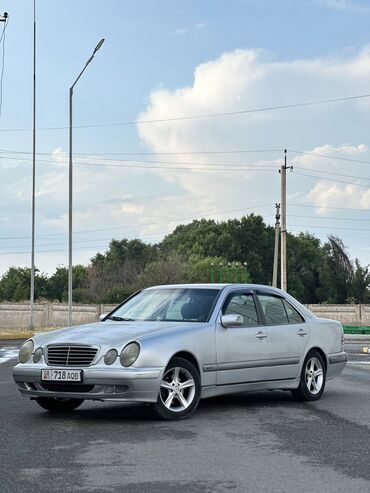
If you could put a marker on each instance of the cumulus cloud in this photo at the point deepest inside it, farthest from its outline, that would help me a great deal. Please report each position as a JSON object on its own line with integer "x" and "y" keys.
{"x": 247, "y": 79}
{"x": 350, "y": 196}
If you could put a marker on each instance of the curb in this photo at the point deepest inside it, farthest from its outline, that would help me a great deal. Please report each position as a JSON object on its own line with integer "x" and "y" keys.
{"x": 356, "y": 338}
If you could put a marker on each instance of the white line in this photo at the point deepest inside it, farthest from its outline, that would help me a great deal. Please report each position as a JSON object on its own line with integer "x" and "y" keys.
{"x": 8, "y": 354}
{"x": 358, "y": 362}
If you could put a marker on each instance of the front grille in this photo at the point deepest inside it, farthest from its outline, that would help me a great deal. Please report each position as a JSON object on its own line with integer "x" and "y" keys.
{"x": 65, "y": 387}
{"x": 71, "y": 355}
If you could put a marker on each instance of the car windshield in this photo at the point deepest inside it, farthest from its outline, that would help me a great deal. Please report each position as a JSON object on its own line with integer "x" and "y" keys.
{"x": 168, "y": 305}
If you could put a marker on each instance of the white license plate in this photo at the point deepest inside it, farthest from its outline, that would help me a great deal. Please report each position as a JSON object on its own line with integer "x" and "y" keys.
{"x": 61, "y": 375}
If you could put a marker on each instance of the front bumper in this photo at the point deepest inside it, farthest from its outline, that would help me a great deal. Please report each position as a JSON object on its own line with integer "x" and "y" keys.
{"x": 103, "y": 384}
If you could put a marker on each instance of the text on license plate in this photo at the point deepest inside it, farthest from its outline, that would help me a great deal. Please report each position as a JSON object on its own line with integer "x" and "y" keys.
{"x": 61, "y": 375}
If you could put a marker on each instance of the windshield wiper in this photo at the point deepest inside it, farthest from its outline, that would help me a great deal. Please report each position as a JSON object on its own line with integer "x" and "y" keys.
{"x": 120, "y": 319}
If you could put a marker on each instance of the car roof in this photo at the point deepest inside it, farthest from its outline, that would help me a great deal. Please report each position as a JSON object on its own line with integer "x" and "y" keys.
{"x": 221, "y": 286}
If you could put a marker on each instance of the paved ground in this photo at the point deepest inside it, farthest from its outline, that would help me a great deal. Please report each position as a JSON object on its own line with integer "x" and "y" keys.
{"x": 261, "y": 442}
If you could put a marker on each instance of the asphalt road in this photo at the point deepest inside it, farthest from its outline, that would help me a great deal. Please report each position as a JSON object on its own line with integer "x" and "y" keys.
{"x": 261, "y": 442}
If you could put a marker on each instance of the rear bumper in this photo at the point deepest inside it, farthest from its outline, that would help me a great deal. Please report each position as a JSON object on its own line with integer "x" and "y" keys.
{"x": 123, "y": 384}
{"x": 336, "y": 364}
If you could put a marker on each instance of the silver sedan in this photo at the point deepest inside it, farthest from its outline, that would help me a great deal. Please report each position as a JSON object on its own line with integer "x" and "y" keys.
{"x": 171, "y": 346}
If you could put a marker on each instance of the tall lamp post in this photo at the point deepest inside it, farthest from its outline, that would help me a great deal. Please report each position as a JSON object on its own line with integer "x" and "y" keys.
{"x": 97, "y": 47}
{"x": 32, "y": 287}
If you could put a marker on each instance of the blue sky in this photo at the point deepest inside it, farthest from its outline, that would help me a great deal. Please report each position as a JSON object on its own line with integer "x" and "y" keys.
{"x": 175, "y": 58}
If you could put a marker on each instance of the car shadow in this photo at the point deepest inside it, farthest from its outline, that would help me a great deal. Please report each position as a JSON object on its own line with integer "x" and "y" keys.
{"x": 215, "y": 407}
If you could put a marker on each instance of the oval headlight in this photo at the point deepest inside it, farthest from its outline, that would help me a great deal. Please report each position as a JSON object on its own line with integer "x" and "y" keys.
{"x": 130, "y": 354}
{"x": 110, "y": 357}
{"x": 37, "y": 355}
{"x": 25, "y": 351}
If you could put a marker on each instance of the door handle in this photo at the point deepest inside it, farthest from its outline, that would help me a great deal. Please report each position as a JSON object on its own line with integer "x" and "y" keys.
{"x": 261, "y": 335}
{"x": 302, "y": 332}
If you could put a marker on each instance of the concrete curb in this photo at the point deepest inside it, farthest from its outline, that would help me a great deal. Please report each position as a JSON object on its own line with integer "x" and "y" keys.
{"x": 356, "y": 338}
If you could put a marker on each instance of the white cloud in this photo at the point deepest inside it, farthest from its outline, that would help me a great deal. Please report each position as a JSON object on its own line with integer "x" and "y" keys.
{"x": 248, "y": 79}
{"x": 325, "y": 196}
{"x": 346, "y": 5}
{"x": 180, "y": 31}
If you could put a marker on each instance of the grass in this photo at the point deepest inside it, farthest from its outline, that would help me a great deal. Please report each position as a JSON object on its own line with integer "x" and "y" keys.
{"x": 15, "y": 334}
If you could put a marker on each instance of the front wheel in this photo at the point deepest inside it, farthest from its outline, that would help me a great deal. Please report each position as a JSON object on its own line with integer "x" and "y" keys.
{"x": 59, "y": 405}
{"x": 313, "y": 377}
{"x": 179, "y": 392}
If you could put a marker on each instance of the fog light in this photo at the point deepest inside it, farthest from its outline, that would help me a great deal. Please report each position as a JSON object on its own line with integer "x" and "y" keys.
{"x": 110, "y": 357}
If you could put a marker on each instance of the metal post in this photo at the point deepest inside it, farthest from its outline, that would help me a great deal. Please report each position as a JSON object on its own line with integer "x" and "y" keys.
{"x": 32, "y": 288}
{"x": 70, "y": 198}
{"x": 276, "y": 249}
{"x": 70, "y": 184}
{"x": 283, "y": 222}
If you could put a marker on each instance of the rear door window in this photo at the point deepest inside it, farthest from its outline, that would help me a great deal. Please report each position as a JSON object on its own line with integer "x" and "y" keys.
{"x": 293, "y": 316}
{"x": 273, "y": 309}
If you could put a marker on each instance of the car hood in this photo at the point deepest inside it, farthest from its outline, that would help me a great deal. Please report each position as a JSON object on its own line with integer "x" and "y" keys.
{"x": 108, "y": 333}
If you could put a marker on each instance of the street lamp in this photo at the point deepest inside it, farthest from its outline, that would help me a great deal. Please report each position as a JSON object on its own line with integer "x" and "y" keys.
{"x": 97, "y": 47}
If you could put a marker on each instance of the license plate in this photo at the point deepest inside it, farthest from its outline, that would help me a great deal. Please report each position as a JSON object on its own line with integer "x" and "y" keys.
{"x": 61, "y": 375}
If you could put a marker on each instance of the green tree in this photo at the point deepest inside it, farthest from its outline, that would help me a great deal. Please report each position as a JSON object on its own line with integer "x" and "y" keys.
{"x": 15, "y": 284}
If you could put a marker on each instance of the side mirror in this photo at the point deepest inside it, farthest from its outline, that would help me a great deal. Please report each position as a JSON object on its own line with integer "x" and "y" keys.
{"x": 232, "y": 320}
{"x": 102, "y": 316}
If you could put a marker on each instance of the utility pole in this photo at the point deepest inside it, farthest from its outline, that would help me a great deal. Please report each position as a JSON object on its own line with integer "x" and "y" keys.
{"x": 32, "y": 289}
{"x": 283, "y": 169}
{"x": 276, "y": 250}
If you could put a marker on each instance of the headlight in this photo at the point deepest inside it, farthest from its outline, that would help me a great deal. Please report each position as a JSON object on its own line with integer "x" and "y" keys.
{"x": 37, "y": 355}
{"x": 130, "y": 354}
{"x": 110, "y": 357}
{"x": 25, "y": 351}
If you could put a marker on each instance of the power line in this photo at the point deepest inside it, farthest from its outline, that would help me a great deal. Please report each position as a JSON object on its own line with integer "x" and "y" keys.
{"x": 241, "y": 151}
{"x": 328, "y": 207}
{"x": 330, "y": 227}
{"x": 332, "y": 179}
{"x": 168, "y": 220}
{"x": 218, "y": 166}
{"x": 332, "y": 173}
{"x": 327, "y": 156}
{"x": 332, "y": 218}
{"x": 197, "y": 117}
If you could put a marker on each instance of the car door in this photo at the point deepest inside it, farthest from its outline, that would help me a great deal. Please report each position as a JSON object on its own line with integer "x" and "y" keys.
{"x": 288, "y": 335}
{"x": 241, "y": 351}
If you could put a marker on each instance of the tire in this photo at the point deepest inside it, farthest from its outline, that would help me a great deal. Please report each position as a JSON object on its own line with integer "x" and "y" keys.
{"x": 59, "y": 405}
{"x": 174, "y": 401}
{"x": 313, "y": 378}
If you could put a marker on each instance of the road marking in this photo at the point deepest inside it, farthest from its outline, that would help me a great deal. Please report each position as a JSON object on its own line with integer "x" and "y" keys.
{"x": 8, "y": 354}
{"x": 358, "y": 362}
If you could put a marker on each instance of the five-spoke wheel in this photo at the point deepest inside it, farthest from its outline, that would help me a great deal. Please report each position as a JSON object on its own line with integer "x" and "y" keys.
{"x": 312, "y": 381}
{"x": 179, "y": 391}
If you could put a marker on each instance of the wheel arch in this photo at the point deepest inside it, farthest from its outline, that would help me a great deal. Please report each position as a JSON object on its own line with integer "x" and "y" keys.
{"x": 189, "y": 356}
{"x": 322, "y": 353}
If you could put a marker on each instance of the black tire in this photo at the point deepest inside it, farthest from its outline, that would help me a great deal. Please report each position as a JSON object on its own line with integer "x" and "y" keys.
{"x": 306, "y": 390}
{"x": 59, "y": 405}
{"x": 187, "y": 371}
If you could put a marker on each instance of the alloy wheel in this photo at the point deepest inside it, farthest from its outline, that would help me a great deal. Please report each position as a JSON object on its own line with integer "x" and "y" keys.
{"x": 314, "y": 375}
{"x": 177, "y": 389}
